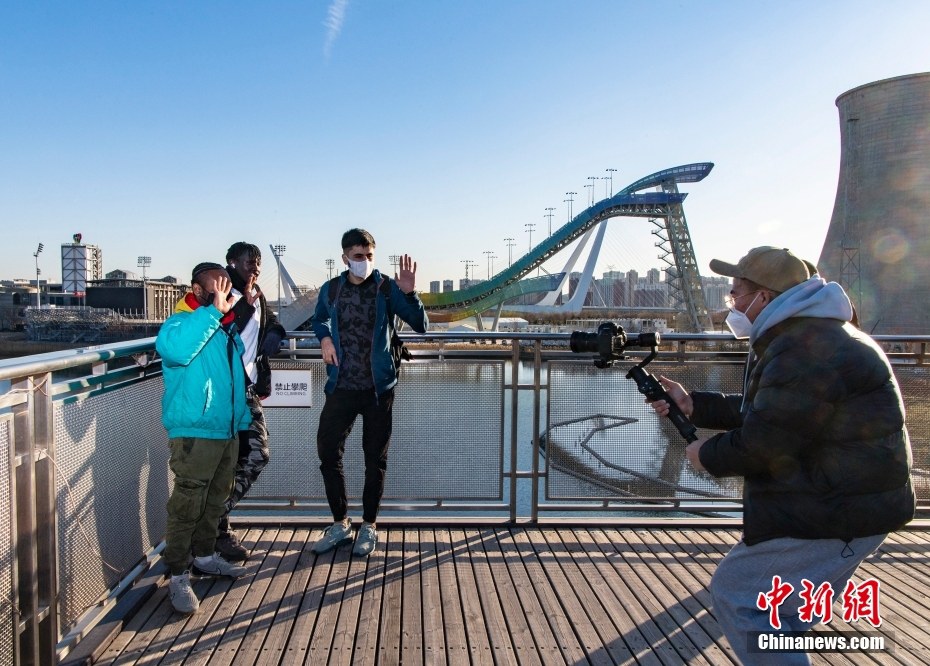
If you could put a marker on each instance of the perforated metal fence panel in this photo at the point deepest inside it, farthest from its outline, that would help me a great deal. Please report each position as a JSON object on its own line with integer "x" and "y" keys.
{"x": 113, "y": 485}
{"x": 603, "y": 442}
{"x": 447, "y": 439}
{"x": 7, "y": 615}
{"x": 915, "y": 389}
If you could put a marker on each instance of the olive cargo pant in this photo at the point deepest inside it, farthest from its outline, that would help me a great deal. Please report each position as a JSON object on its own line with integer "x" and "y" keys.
{"x": 203, "y": 476}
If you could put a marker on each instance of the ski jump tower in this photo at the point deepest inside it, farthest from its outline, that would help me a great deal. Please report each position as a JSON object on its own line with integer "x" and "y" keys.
{"x": 663, "y": 202}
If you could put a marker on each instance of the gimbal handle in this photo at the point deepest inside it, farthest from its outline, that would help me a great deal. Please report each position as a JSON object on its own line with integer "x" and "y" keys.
{"x": 650, "y": 387}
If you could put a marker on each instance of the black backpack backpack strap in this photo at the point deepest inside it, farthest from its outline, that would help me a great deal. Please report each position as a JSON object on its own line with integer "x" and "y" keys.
{"x": 334, "y": 286}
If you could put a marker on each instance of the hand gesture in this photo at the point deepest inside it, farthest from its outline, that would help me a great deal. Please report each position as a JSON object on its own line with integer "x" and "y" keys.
{"x": 221, "y": 287}
{"x": 677, "y": 393}
{"x": 407, "y": 277}
{"x": 251, "y": 286}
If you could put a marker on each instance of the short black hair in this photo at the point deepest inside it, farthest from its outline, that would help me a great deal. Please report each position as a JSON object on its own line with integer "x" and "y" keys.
{"x": 354, "y": 237}
{"x": 239, "y": 248}
{"x": 203, "y": 267}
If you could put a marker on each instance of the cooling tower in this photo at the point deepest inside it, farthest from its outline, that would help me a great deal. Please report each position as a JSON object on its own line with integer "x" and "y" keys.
{"x": 878, "y": 243}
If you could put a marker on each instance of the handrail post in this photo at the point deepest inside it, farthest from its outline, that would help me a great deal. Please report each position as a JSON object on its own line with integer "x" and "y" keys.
{"x": 35, "y": 564}
{"x": 537, "y": 380}
{"x": 514, "y": 422}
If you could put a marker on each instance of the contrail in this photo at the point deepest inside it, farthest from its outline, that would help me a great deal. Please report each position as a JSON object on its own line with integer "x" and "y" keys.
{"x": 335, "y": 17}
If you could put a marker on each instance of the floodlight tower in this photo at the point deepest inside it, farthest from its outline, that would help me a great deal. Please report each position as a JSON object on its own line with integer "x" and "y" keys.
{"x": 38, "y": 286}
{"x": 510, "y": 244}
{"x": 570, "y": 199}
{"x": 591, "y": 185}
{"x": 143, "y": 263}
{"x": 395, "y": 261}
{"x": 489, "y": 254}
{"x": 278, "y": 251}
{"x": 610, "y": 175}
{"x": 468, "y": 263}
{"x": 529, "y": 229}
{"x": 330, "y": 264}
{"x": 549, "y": 215}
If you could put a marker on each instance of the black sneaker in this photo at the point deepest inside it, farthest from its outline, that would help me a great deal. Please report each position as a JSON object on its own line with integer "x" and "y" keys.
{"x": 229, "y": 547}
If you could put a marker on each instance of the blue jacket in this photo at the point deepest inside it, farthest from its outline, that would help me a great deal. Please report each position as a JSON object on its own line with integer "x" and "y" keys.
{"x": 203, "y": 375}
{"x": 325, "y": 323}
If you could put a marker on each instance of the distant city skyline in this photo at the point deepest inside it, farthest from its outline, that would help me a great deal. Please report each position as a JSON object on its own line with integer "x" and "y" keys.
{"x": 171, "y": 130}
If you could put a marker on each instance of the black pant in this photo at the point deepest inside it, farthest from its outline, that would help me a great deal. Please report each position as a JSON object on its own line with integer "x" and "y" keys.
{"x": 336, "y": 421}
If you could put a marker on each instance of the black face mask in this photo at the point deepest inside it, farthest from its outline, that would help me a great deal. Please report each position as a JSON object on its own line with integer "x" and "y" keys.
{"x": 204, "y": 298}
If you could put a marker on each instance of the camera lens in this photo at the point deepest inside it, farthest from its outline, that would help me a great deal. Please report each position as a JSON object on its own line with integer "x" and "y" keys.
{"x": 581, "y": 342}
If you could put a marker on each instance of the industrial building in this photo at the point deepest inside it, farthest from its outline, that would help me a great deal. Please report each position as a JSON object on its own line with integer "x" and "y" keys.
{"x": 878, "y": 242}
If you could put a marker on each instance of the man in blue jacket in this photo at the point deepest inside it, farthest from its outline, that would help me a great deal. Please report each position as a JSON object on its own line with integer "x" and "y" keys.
{"x": 353, "y": 321}
{"x": 818, "y": 437}
{"x": 203, "y": 410}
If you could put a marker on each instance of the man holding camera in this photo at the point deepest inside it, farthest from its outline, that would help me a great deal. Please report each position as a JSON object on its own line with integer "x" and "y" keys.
{"x": 818, "y": 436}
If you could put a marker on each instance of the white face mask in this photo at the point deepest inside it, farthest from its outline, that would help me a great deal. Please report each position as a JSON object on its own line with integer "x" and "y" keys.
{"x": 360, "y": 269}
{"x": 739, "y": 323}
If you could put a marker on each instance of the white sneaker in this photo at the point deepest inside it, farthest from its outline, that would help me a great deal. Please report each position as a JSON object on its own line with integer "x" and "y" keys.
{"x": 215, "y": 565}
{"x": 182, "y": 596}
{"x": 335, "y": 535}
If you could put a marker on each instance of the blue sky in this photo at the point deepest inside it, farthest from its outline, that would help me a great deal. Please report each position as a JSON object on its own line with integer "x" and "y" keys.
{"x": 172, "y": 129}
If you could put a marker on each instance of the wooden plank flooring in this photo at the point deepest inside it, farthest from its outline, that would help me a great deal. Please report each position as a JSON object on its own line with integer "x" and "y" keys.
{"x": 493, "y": 595}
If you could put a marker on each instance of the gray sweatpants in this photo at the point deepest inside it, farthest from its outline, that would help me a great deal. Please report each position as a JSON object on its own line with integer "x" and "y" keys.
{"x": 747, "y": 571}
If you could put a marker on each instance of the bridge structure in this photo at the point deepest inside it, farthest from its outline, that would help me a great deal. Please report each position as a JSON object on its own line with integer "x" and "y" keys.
{"x": 664, "y": 202}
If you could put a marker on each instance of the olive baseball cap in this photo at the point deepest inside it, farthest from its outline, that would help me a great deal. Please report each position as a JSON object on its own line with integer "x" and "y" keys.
{"x": 774, "y": 268}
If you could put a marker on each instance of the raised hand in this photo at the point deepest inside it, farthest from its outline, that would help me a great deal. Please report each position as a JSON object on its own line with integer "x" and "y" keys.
{"x": 222, "y": 285}
{"x": 406, "y": 278}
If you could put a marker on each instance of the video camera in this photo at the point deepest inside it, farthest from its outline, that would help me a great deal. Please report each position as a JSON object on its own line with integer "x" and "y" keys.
{"x": 609, "y": 343}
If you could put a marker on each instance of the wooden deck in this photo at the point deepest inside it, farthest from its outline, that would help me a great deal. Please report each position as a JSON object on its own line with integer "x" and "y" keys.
{"x": 491, "y": 595}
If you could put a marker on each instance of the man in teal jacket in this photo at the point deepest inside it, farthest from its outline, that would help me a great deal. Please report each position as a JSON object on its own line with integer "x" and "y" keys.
{"x": 203, "y": 410}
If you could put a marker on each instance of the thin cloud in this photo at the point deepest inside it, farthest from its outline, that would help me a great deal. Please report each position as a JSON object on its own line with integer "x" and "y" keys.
{"x": 335, "y": 17}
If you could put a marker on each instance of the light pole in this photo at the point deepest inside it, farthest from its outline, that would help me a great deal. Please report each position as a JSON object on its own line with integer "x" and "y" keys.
{"x": 278, "y": 251}
{"x": 610, "y": 174}
{"x": 143, "y": 263}
{"x": 38, "y": 286}
{"x": 330, "y": 265}
{"x": 549, "y": 215}
{"x": 510, "y": 245}
{"x": 490, "y": 255}
{"x": 395, "y": 261}
{"x": 468, "y": 263}
{"x": 591, "y": 185}
{"x": 529, "y": 229}
{"x": 569, "y": 201}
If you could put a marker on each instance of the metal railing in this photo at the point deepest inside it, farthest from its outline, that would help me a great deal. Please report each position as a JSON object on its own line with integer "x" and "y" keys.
{"x": 488, "y": 427}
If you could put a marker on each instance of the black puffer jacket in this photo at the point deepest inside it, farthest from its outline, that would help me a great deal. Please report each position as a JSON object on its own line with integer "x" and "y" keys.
{"x": 819, "y": 438}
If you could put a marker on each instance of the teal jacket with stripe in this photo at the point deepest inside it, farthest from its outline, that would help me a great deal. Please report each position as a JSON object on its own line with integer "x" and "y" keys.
{"x": 204, "y": 392}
